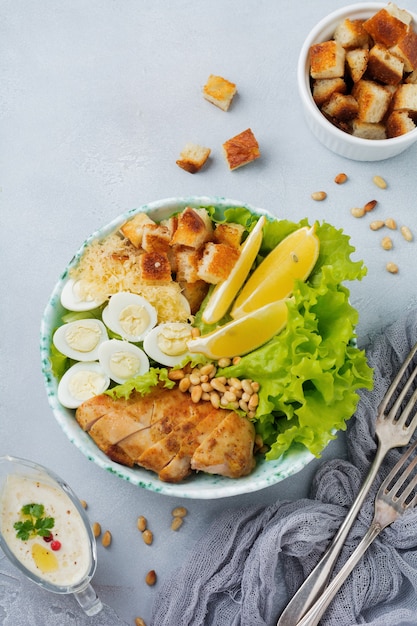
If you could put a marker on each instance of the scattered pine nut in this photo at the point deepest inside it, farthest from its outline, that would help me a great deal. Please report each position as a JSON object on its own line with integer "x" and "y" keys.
{"x": 369, "y": 206}
{"x": 390, "y": 223}
{"x": 176, "y": 523}
{"x": 319, "y": 195}
{"x": 150, "y": 578}
{"x": 386, "y": 243}
{"x": 392, "y": 268}
{"x": 139, "y": 621}
{"x": 83, "y": 504}
{"x": 376, "y": 224}
{"x": 147, "y": 537}
{"x": 176, "y": 374}
{"x": 358, "y": 211}
{"x": 380, "y": 182}
{"x": 96, "y": 529}
{"x": 179, "y": 511}
{"x": 340, "y": 178}
{"x": 141, "y": 523}
{"x": 106, "y": 540}
{"x": 406, "y": 233}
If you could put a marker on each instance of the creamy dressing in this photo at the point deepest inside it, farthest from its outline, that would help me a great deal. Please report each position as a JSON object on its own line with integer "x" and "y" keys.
{"x": 64, "y": 567}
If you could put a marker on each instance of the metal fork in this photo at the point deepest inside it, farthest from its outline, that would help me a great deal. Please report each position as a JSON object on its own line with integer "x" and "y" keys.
{"x": 393, "y": 429}
{"x": 395, "y": 496}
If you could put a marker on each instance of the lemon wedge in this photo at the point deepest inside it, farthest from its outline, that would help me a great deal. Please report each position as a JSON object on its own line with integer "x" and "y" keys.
{"x": 243, "y": 335}
{"x": 223, "y": 293}
{"x": 293, "y": 258}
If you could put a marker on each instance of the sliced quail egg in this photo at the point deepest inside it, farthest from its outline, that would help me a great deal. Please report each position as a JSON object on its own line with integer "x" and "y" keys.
{"x": 81, "y": 339}
{"x": 76, "y": 296}
{"x": 167, "y": 343}
{"x": 129, "y": 315}
{"x": 122, "y": 360}
{"x": 81, "y": 382}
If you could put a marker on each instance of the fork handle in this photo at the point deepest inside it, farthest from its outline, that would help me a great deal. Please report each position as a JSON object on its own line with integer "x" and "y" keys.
{"x": 312, "y": 617}
{"x": 318, "y": 578}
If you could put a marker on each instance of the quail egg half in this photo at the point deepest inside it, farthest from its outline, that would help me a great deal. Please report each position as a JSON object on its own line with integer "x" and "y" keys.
{"x": 121, "y": 360}
{"x": 81, "y": 339}
{"x": 130, "y": 316}
{"x": 167, "y": 343}
{"x": 81, "y": 382}
{"x": 76, "y": 296}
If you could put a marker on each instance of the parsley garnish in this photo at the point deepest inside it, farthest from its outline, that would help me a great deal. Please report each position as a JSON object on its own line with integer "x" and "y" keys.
{"x": 35, "y": 522}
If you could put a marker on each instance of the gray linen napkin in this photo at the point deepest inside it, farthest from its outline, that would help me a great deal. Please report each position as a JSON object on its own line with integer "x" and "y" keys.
{"x": 251, "y": 561}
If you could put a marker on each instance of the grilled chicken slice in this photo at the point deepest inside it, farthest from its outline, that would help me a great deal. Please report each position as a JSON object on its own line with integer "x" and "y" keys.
{"x": 167, "y": 433}
{"x": 228, "y": 450}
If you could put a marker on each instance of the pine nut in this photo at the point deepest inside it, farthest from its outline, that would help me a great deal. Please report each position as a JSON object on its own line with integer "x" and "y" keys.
{"x": 179, "y": 511}
{"x": 246, "y": 396}
{"x": 194, "y": 379}
{"x": 340, "y": 178}
{"x": 206, "y": 387}
{"x": 205, "y": 396}
{"x": 84, "y": 504}
{"x": 141, "y": 523}
{"x": 392, "y": 268}
{"x": 224, "y": 362}
{"x": 253, "y": 402}
{"x": 230, "y": 396}
{"x": 196, "y": 393}
{"x": 96, "y": 529}
{"x": 176, "y": 374}
{"x": 139, "y": 621}
{"x": 386, "y": 243}
{"x": 217, "y": 384}
{"x": 247, "y": 386}
{"x": 390, "y": 223}
{"x": 406, "y": 233}
{"x": 235, "y": 382}
{"x": 358, "y": 211}
{"x": 236, "y": 360}
{"x": 176, "y": 523}
{"x": 255, "y": 386}
{"x": 376, "y": 225}
{"x": 150, "y": 578}
{"x": 195, "y": 332}
{"x": 369, "y": 206}
{"x": 184, "y": 384}
{"x": 215, "y": 399}
{"x": 208, "y": 369}
{"x": 106, "y": 540}
{"x": 204, "y": 378}
{"x": 243, "y": 405}
{"x": 319, "y": 195}
{"x": 147, "y": 537}
{"x": 380, "y": 182}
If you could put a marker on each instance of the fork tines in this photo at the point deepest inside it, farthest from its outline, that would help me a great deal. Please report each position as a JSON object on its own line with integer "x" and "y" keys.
{"x": 400, "y": 396}
{"x": 397, "y": 486}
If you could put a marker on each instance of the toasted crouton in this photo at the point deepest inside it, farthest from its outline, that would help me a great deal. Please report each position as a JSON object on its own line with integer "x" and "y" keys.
{"x": 327, "y": 60}
{"x": 133, "y": 229}
{"x": 187, "y": 262}
{"x": 171, "y": 223}
{"x": 406, "y": 50}
{"x": 373, "y": 100}
{"x": 351, "y": 34}
{"x": 219, "y": 91}
{"x": 194, "y": 228}
{"x": 366, "y": 130}
{"x": 357, "y": 62}
{"x": 399, "y": 123}
{"x": 241, "y": 149}
{"x": 155, "y": 238}
{"x": 195, "y": 293}
{"x": 229, "y": 233}
{"x": 323, "y": 88}
{"x": 405, "y": 98}
{"x": 193, "y": 157}
{"x": 154, "y": 268}
{"x": 384, "y": 66}
{"x": 388, "y": 25}
{"x": 342, "y": 107}
{"x": 217, "y": 261}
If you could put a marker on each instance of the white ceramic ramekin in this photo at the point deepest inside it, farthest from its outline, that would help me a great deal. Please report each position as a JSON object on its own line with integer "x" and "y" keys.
{"x": 329, "y": 135}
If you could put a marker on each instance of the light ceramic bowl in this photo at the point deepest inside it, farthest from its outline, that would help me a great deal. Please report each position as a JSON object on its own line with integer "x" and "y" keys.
{"x": 333, "y": 138}
{"x": 198, "y": 486}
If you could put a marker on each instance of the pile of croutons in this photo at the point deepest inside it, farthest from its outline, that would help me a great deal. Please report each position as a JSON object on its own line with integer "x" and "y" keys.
{"x": 364, "y": 80}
